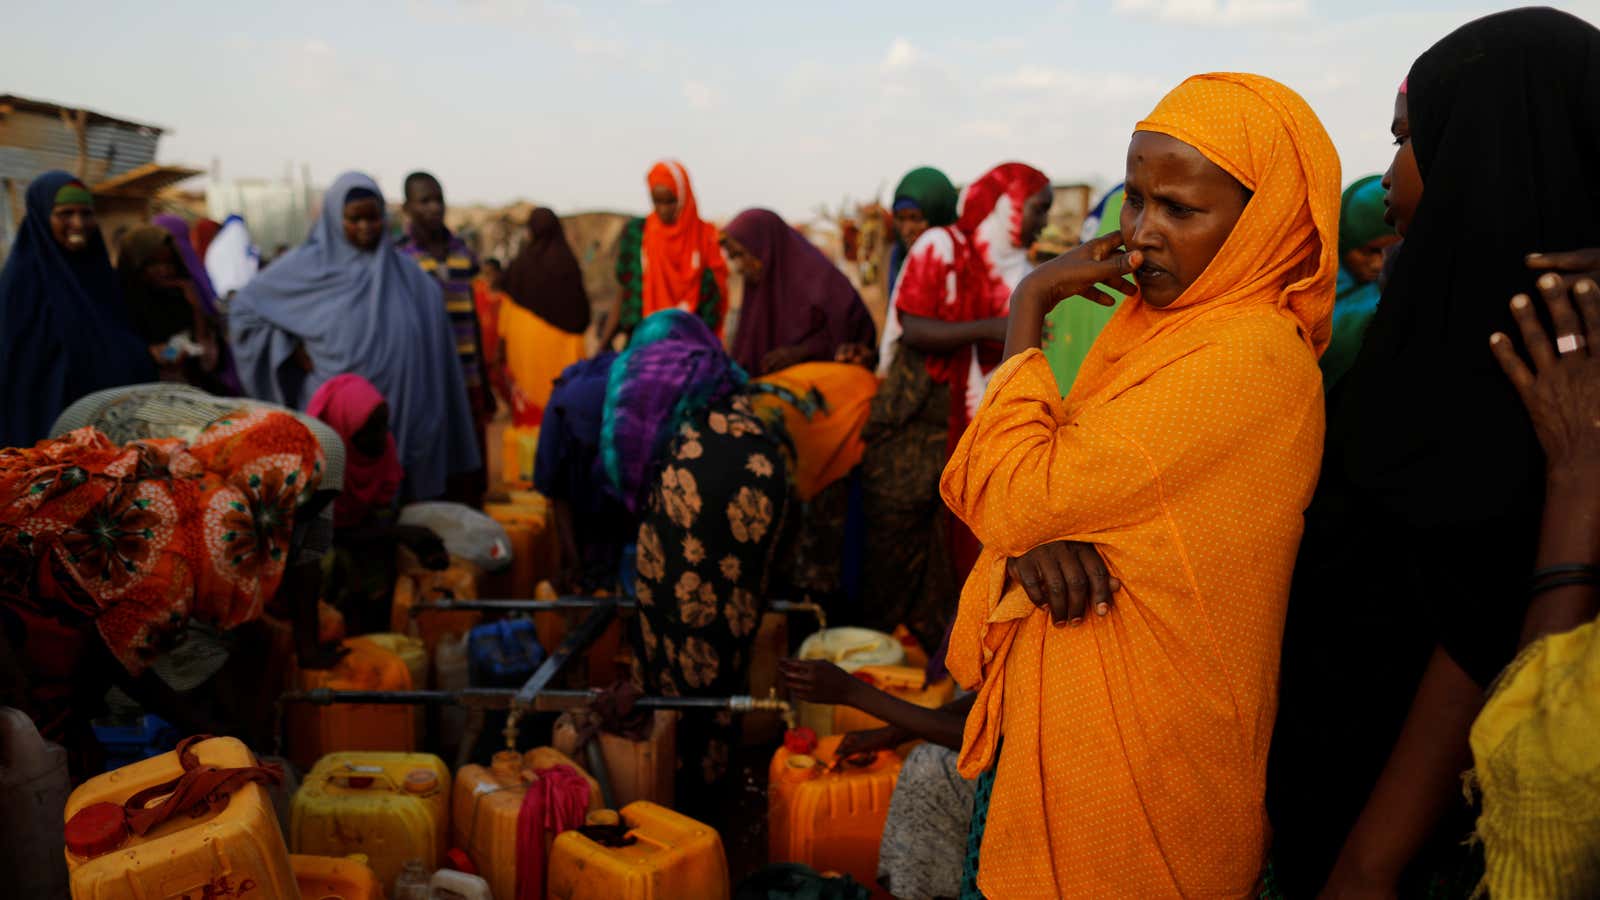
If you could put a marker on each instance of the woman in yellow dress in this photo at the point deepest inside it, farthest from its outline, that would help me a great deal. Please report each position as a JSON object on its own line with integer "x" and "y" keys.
{"x": 541, "y": 330}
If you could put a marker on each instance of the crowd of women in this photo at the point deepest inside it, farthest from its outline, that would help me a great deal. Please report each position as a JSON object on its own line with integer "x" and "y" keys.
{"x": 1226, "y": 521}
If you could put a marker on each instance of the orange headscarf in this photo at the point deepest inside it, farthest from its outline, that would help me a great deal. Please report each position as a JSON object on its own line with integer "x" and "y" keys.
{"x": 675, "y": 257}
{"x": 1186, "y": 452}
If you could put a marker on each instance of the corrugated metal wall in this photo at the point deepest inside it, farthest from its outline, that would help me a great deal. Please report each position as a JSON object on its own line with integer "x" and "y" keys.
{"x": 46, "y": 143}
{"x": 31, "y": 144}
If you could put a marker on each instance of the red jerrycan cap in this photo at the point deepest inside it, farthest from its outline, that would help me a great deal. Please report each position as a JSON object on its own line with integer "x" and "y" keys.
{"x": 457, "y": 858}
{"x": 96, "y": 830}
{"x": 800, "y": 740}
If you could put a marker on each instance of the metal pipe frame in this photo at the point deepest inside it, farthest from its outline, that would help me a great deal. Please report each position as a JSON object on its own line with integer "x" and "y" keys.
{"x": 788, "y": 607}
{"x": 505, "y": 698}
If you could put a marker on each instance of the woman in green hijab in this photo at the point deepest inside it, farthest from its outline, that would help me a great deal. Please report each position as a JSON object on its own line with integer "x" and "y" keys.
{"x": 908, "y": 576}
{"x": 1363, "y": 237}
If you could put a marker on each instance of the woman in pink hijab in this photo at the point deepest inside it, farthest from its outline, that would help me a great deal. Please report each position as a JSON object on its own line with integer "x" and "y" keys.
{"x": 372, "y": 472}
{"x": 365, "y": 534}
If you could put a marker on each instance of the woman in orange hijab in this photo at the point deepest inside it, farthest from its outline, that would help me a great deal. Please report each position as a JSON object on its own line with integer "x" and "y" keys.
{"x": 671, "y": 259}
{"x": 1122, "y": 626}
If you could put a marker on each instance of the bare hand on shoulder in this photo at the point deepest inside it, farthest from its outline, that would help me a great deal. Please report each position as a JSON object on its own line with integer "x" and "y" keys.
{"x": 1067, "y": 577}
{"x": 1561, "y": 388}
{"x": 1569, "y": 266}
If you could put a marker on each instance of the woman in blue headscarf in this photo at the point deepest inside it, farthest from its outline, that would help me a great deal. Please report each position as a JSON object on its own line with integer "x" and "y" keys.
{"x": 64, "y": 329}
{"x": 347, "y": 302}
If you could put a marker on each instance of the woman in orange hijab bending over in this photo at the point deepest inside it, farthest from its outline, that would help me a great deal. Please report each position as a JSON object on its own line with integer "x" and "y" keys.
{"x": 671, "y": 259}
{"x": 1122, "y": 626}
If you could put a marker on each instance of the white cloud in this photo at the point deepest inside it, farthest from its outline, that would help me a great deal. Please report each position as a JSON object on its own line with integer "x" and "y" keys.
{"x": 988, "y": 129}
{"x": 607, "y": 48}
{"x": 701, "y": 95}
{"x": 1000, "y": 44}
{"x": 1067, "y": 83}
{"x": 901, "y": 55}
{"x": 539, "y": 16}
{"x": 505, "y": 10}
{"x": 1213, "y": 12}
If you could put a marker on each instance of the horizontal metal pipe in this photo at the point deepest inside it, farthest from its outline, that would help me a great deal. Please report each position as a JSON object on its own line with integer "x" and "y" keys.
{"x": 567, "y": 603}
{"x": 560, "y": 603}
{"x": 502, "y": 698}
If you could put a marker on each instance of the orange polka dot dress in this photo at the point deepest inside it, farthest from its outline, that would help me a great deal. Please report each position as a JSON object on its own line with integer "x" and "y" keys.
{"x": 1135, "y": 745}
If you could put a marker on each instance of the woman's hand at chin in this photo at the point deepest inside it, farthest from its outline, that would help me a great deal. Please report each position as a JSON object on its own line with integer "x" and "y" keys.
{"x": 1078, "y": 271}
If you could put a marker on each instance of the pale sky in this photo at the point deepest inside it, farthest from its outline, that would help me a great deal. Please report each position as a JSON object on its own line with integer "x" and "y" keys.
{"x": 786, "y": 105}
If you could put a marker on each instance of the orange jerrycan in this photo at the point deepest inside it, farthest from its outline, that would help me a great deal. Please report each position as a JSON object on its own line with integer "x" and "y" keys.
{"x": 416, "y": 584}
{"x": 663, "y": 855}
{"x": 518, "y": 447}
{"x": 315, "y": 731}
{"x": 334, "y": 878}
{"x": 391, "y": 807}
{"x": 487, "y": 803}
{"x": 905, "y": 682}
{"x": 232, "y": 849}
{"x": 552, "y": 626}
{"x": 414, "y": 653}
{"x": 637, "y": 770}
{"x": 534, "y": 552}
{"x": 828, "y": 813}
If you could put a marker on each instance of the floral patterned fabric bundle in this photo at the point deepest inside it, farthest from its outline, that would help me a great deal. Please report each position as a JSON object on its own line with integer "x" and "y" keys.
{"x": 142, "y": 536}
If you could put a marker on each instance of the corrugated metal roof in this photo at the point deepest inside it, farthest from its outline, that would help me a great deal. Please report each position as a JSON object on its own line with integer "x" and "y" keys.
{"x": 52, "y": 108}
{"x": 113, "y": 149}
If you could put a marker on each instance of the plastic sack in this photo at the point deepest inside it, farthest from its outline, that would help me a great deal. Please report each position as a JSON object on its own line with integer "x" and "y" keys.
{"x": 466, "y": 533}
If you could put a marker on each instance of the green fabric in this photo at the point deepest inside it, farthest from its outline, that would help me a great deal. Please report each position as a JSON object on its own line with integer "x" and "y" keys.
{"x": 1361, "y": 211}
{"x": 933, "y": 193}
{"x": 1070, "y": 328}
{"x": 73, "y": 193}
{"x": 630, "y": 275}
{"x": 710, "y": 301}
{"x": 980, "y": 821}
{"x": 1353, "y": 307}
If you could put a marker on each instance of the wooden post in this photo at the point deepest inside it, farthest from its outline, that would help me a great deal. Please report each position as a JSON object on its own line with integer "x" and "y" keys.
{"x": 78, "y": 121}
{"x": 14, "y": 194}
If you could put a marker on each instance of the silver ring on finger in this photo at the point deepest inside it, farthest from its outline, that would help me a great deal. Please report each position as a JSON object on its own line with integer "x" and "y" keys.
{"x": 1570, "y": 343}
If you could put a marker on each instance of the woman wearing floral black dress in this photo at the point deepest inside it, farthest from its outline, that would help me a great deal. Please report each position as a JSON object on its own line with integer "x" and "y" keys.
{"x": 682, "y": 446}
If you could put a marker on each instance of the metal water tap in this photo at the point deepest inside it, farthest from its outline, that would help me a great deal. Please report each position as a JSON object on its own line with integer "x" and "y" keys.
{"x": 811, "y": 606}
{"x": 769, "y": 703}
{"x": 510, "y": 730}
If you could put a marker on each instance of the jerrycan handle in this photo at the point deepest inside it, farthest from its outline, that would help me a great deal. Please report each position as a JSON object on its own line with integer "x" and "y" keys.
{"x": 644, "y": 838}
{"x": 360, "y": 778}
